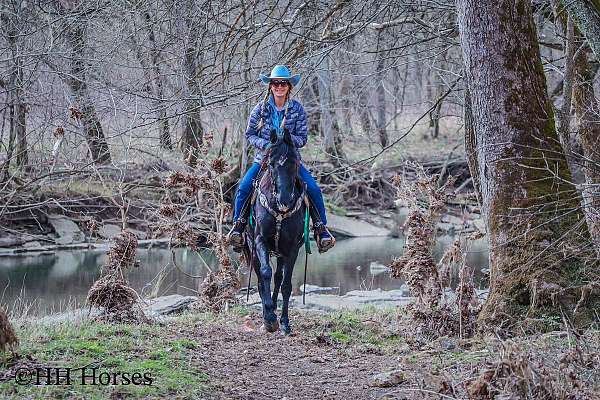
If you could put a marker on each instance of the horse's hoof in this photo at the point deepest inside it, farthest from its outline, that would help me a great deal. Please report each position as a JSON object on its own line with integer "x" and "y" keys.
{"x": 285, "y": 330}
{"x": 270, "y": 326}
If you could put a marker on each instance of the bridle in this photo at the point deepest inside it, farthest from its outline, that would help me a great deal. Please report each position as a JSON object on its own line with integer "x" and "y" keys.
{"x": 278, "y": 214}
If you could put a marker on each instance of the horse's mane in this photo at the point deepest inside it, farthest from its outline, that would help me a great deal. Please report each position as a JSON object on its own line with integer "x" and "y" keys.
{"x": 278, "y": 150}
{"x": 282, "y": 149}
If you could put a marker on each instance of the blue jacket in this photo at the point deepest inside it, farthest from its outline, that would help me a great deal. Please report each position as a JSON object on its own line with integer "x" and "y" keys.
{"x": 295, "y": 123}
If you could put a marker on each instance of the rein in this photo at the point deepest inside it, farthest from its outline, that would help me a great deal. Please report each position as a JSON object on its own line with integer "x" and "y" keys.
{"x": 279, "y": 217}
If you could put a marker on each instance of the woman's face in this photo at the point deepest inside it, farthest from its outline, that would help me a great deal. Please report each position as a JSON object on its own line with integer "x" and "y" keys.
{"x": 280, "y": 88}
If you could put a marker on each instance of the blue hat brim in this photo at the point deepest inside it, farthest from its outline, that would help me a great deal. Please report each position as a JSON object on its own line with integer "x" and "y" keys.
{"x": 294, "y": 79}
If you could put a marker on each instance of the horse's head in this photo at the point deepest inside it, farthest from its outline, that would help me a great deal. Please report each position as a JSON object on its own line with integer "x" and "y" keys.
{"x": 283, "y": 166}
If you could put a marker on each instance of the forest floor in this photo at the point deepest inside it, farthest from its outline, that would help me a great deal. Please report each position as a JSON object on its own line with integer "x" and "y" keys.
{"x": 355, "y": 354}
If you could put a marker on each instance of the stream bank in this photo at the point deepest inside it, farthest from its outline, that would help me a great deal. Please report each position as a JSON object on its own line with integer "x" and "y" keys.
{"x": 362, "y": 354}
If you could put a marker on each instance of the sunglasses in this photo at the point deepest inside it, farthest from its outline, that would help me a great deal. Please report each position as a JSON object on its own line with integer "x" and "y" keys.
{"x": 279, "y": 83}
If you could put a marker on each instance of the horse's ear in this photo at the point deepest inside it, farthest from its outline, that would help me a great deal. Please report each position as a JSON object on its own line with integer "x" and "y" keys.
{"x": 273, "y": 137}
{"x": 287, "y": 137}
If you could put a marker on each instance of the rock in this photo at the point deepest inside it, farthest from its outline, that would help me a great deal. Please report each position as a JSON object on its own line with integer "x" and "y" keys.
{"x": 168, "y": 304}
{"x": 354, "y": 299}
{"x": 319, "y": 289}
{"x": 388, "y": 379}
{"x": 154, "y": 308}
{"x": 77, "y": 315}
{"x": 11, "y": 241}
{"x": 108, "y": 231}
{"x": 34, "y": 245}
{"x": 376, "y": 296}
{"x": 378, "y": 268}
{"x": 68, "y": 232}
{"x": 353, "y": 227}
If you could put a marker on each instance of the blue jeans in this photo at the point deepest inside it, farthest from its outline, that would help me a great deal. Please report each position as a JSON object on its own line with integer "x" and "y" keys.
{"x": 311, "y": 186}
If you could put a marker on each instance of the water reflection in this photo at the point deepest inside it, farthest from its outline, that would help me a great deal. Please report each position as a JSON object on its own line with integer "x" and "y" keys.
{"x": 51, "y": 282}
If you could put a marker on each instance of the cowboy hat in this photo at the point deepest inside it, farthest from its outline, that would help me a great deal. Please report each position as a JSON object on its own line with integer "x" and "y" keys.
{"x": 280, "y": 72}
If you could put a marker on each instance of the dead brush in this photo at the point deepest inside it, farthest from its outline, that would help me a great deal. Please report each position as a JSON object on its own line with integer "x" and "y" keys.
{"x": 433, "y": 313}
{"x": 8, "y": 337}
{"x": 520, "y": 374}
{"x": 218, "y": 290}
{"x": 111, "y": 292}
{"x": 193, "y": 209}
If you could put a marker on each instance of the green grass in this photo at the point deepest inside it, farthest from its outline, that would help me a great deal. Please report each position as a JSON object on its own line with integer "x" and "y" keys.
{"x": 113, "y": 348}
{"x": 362, "y": 326}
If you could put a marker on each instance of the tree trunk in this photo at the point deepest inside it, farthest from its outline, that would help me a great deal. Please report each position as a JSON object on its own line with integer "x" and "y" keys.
{"x": 587, "y": 114}
{"x": 380, "y": 73}
{"x": 530, "y": 206}
{"x": 436, "y": 89}
{"x": 586, "y": 14}
{"x": 17, "y": 110}
{"x": 85, "y": 110}
{"x": 310, "y": 95}
{"x": 363, "y": 113}
{"x": 193, "y": 131}
{"x": 156, "y": 79}
{"x": 10, "y": 149}
{"x": 329, "y": 123}
{"x": 346, "y": 103}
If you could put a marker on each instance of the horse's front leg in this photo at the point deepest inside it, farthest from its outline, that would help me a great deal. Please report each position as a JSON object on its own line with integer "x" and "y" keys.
{"x": 286, "y": 291}
{"x": 264, "y": 277}
{"x": 278, "y": 279}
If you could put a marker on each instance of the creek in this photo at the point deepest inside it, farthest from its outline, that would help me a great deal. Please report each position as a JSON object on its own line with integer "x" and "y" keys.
{"x": 45, "y": 284}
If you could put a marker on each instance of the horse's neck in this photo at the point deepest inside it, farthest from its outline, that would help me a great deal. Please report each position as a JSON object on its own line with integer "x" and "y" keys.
{"x": 265, "y": 185}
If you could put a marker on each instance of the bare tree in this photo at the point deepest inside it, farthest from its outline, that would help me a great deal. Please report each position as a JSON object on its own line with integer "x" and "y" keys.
{"x": 380, "y": 73}
{"x": 151, "y": 60}
{"x": 329, "y": 121}
{"x": 77, "y": 13}
{"x": 193, "y": 131}
{"x": 12, "y": 18}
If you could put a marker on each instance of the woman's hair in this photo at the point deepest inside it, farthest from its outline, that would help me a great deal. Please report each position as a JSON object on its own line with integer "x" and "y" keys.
{"x": 264, "y": 104}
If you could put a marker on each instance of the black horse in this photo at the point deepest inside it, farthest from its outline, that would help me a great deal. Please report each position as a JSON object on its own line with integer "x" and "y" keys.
{"x": 278, "y": 213}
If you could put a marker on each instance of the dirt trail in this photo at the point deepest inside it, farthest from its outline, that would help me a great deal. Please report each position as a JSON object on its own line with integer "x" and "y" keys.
{"x": 244, "y": 363}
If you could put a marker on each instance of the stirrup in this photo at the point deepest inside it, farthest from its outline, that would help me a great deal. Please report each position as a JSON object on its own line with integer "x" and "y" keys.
{"x": 323, "y": 244}
{"x": 235, "y": 236}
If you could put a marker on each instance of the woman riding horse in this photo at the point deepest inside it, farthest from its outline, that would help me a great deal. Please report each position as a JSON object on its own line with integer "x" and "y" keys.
{"x": 278, "y": 113}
